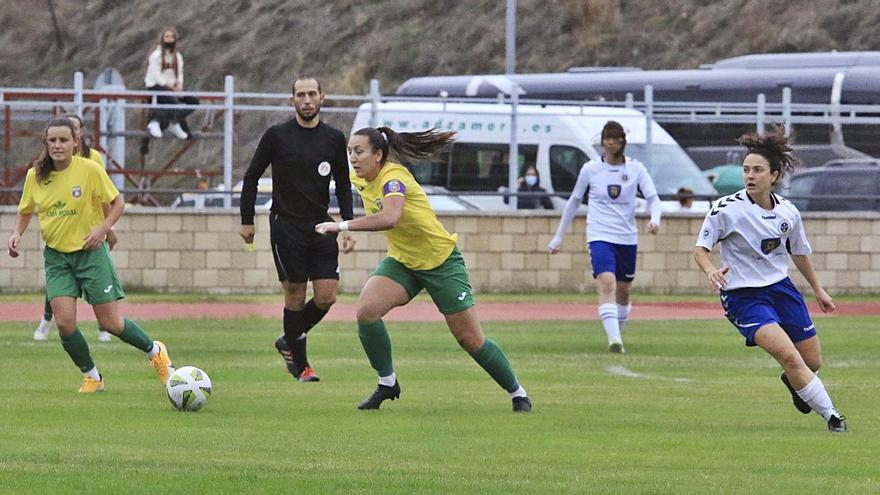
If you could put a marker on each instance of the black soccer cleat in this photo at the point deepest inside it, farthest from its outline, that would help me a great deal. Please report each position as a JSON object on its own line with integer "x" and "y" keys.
{"x": 837, "y": 424}
{"x": 281, "y": 347}
{"x": 799, "y": 403}
{"x": 381, "y": 393}
{"x": 522, "y": 404}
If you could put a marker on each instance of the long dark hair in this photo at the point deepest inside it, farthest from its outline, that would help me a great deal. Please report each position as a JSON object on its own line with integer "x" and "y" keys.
{"x": 775, "y": 147}
{"x": 404, "y": 145}
{"x": 44, "y": 164}
{"x": 85, "y": 150}
{"x": 160, "y": 46}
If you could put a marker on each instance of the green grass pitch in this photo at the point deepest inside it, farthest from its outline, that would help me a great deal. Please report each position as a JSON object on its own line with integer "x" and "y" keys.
{"x": 688, "y": 409}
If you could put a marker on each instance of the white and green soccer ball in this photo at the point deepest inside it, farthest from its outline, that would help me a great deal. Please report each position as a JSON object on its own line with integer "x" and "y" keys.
{"x": 188, "y": 388}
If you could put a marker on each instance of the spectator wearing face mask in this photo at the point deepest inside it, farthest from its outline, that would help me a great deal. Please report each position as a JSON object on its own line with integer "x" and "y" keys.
{"x": 531, "y": 183}
{"x": 165, "y": 73}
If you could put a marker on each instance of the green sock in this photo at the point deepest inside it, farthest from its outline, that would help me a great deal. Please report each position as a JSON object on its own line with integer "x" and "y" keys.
{"x": 135, "y": 336}
{"x": 47, "y": 310}
{"x": 492, "y": 359}
{"x": 377, "y": 345}
{"x": 76, "y": 347}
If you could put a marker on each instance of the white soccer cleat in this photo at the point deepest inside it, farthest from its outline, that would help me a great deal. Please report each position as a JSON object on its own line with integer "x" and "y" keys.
{"x": 42, "y": 330}
{"x": 178, "y": 131}
{"x": 154, "y": 129}
{"x": 104, "y": 336}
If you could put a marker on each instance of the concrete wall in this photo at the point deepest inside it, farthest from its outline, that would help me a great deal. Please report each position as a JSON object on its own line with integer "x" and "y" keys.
{"x": 172, "y": 250}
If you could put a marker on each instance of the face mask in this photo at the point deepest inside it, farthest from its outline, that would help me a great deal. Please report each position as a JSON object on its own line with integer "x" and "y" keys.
{"x": 169, "y": 46}
{"x": 532, "y": 180}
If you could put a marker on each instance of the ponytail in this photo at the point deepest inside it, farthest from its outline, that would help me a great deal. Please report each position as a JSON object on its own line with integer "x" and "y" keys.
{"x": 406, "y": 145}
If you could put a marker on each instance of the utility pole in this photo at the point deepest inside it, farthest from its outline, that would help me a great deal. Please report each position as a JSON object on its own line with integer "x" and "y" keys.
{"x": 510, "y": 42}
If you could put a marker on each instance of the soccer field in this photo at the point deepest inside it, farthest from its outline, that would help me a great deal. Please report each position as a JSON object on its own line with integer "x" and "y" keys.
{"x": 688, "y": 409}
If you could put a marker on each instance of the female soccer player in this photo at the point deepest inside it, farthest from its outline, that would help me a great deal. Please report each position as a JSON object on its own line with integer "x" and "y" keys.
{"x": 613, "y": 182}
{"x": 84, "y": 150}
{"x": 421, "y": 255}
{"x": 68, "y": 192}
{"x": 758, "y": 231}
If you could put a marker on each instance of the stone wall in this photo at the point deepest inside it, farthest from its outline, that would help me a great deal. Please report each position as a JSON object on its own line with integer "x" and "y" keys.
{"x": 174, "y": 250}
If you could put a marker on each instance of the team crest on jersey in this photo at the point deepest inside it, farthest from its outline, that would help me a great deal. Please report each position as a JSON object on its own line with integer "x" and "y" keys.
{"x": 768, "y": 245}
{"x": 614, "y": 190}
{"x": 324, "y": 169}
{"x": 783, "y": 227}
{"x": 76, "y": 191}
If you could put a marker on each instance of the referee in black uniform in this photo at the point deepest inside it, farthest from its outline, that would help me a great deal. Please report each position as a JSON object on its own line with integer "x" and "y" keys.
{"x": 305, "y": 155}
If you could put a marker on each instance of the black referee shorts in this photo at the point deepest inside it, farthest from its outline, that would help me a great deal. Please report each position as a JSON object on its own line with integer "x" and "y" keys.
{"x": 300, "y": 253}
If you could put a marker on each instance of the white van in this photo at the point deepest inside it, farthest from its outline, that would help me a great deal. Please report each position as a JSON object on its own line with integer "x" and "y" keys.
{"x": 557, "y": 140}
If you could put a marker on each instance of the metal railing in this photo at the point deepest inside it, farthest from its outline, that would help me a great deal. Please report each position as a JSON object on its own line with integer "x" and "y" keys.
{"x": 31, "y": 103}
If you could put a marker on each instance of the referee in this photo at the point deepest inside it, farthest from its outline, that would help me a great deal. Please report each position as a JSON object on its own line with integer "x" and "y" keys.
{"x": 305, "y": 154}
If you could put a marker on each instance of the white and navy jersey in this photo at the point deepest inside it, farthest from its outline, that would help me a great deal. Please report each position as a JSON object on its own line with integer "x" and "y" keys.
{"x": 755, "y": 243}
{"x": 612, "y": 198}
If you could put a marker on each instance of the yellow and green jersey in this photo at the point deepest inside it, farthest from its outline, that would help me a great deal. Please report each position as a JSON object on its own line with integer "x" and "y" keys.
{"x": 68, "y": 202}
{"x": 418, "y": 241}
{"x": 96, "y": 157}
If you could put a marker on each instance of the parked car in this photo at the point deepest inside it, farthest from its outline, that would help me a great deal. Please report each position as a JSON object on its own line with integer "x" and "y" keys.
{"x": 216, "y": 199}
{"x": 727, "y": 179}
{"x": 839, "y": 185}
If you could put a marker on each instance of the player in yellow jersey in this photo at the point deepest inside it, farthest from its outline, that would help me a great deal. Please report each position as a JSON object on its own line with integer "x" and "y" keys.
{"x": 85, "y": 151}
{"x": 421, "y": 255}
{"x": 68, "y": 192}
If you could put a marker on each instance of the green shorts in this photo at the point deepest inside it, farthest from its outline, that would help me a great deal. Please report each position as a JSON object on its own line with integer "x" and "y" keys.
{"x": 448, "y": 284}
{"x": 86, "y": 273}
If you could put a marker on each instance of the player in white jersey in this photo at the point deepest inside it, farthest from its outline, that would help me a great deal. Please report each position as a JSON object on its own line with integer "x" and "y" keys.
{"x": 612, "y": 182}
{"x": 758, "y": 231}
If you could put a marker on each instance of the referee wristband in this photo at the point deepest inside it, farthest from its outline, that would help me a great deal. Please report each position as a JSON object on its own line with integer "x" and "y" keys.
{"x": 343, "y": 226}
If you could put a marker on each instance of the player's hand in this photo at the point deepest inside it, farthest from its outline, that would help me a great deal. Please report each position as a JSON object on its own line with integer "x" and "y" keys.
{"x": 553, "y": 246}
{"x": 348, "y": 243}
{"x": 327, "y": 228}
{"x": 825, "y": 302}
{"x": 653, "y": 228}
{"x": 12, "y": 245}
{"x": 111, "y": 239}
{"x": 718, "y": 279}
{"x": 247, "y": 233}
{"x": 95, "y": 237}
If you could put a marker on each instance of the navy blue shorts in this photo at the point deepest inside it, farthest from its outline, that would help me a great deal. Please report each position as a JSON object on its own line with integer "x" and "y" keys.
{"x": 751, "y": 308}
{"x": 619, "y": 259}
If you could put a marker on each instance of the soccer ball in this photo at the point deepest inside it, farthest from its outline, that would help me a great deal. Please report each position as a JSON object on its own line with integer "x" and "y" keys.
{"x": 188, "y": 388}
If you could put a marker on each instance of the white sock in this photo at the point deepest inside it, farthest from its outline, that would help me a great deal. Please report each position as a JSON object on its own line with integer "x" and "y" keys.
{"x": 623, "y": 314}
{"x": 301, "y": 337}
{"x": 520, "y": 392}
{"x": 608, "y": 315}
{"x": 817, "y": 397}
{"x": 44, "y": 325}
{"x": 93, "y": 374}
{"x": 389, "y": 380}
{"x": 154, "y": 351}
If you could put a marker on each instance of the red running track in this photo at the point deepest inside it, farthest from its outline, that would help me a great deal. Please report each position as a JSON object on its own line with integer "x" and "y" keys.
{"x": 416, "y": 312}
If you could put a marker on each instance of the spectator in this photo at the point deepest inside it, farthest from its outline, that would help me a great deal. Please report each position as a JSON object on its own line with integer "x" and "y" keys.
{"x": 531, "y": 183}
{"x": 685, "y": 196}
{"x": 165, "y": 73}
